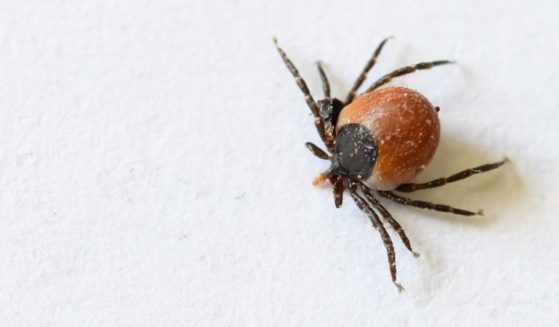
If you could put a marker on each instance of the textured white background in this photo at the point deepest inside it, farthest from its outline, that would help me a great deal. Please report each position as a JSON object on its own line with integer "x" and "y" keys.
{"x": 153, "y": 173}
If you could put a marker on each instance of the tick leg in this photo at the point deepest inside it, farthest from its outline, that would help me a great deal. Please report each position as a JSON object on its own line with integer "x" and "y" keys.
{"x": 317, "y": 151}
{"x": 412, "y": 187}
{"x": 319, "y": 124}
{"x": 427, "y": 205}
{"x": 377, "y": 224}
{"x": 324, "y": 79}
{"x": 404, "y": 71}
{"x": 388, "y": 217}
{"x": 338, "y": 191}
{"x": 363, "y": 75}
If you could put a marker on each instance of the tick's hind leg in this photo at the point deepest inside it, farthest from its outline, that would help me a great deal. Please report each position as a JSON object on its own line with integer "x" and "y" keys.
{"x": 377, "y": 224}
{"x": 363, "y": 75}
{"x": 404, "y": 71}
{"x": 427, "y": 205}
{"x": 412, "y": 187}
{"x": 388, "y": 217}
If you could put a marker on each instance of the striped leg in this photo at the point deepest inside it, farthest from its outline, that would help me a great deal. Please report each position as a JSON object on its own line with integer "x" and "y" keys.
{"x": 388, "y": 217}
{"x": 319, "y": 124}
{"x": 412, "y": 187}
{"x": 338, "y": 191}
{"x": 427, "y": 205}
{"x": 377, "y": 224}
{"x": 324, "y": 79}
{"x": 404, "y": 71}
{"x": 317, "y": 151}
{"x": 363, "y": 75}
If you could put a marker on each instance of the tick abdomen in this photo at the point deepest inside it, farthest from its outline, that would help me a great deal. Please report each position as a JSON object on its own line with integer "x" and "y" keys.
{"x": 406, "y": 129}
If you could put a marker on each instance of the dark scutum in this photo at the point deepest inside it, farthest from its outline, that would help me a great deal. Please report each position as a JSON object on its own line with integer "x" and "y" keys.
{"x": 355, "y": 152}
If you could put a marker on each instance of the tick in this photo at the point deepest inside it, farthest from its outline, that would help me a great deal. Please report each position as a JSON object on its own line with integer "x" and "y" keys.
{"x": 377, "y": 142}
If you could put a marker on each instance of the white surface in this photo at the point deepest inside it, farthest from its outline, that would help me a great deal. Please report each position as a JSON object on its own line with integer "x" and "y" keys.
{"x": 153, "y": 172}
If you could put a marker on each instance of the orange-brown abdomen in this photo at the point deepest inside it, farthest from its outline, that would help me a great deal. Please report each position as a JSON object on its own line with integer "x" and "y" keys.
{"x": 406, "y": 128}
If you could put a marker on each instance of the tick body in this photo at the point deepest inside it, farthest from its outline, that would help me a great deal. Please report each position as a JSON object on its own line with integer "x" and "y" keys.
{"x": 406, "y": 129}
{"x": 377, "y": 143}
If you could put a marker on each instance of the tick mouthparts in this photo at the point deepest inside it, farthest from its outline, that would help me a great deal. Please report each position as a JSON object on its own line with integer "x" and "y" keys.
{"x": 321, "y": 178}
